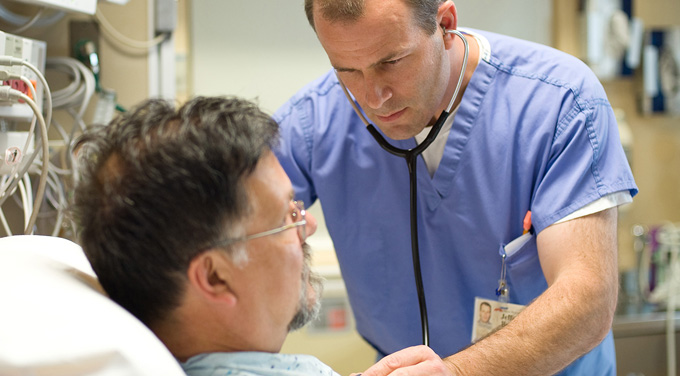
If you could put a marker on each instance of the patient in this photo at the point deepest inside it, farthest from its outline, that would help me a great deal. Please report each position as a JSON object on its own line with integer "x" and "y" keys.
{"x": 187, "y": 218}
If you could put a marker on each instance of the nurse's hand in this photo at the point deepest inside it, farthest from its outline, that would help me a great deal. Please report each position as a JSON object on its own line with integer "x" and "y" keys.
{"x": 417, "y": 360}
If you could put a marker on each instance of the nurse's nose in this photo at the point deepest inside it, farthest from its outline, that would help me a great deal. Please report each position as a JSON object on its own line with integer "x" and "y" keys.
{"x": 376, "y": 92}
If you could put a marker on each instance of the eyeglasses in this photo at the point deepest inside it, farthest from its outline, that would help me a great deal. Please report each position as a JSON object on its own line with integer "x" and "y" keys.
{"x": 298, "y": 221}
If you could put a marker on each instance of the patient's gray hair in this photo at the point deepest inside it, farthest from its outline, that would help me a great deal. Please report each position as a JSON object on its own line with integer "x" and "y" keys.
{"x": 158, "y": 186}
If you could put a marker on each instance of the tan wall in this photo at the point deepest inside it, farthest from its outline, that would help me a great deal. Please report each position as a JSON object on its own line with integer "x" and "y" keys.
{"x": 182, "y": 47}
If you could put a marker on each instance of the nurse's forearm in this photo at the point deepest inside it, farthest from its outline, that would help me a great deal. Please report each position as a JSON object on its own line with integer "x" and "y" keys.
{"x": 570, "y": 318}
{"x": 546, "y": 337}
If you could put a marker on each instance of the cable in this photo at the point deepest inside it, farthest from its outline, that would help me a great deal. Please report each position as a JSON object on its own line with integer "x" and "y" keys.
{"x": 73, "y": 98}
{"x": 9, "y": 185}
{"x": 669, "y": 236}
{"x": 29, "y": 192}
{"x": 7, "y": 93}
{"x": 63, "y": 96}
{"x": 122, "y": 39}
{"x": 12, "y": 175}
{"x": 4, "y": 75}
{"x": 30, "y": 22}
{"x": 80, "y": 90}
{"x": 670, "y": 316}
{"x": 11, "y": 94}
{"x": 664, "y": 243}
{"x": 5, "y": 225}
{"x": 43, "y": 173}
{"x": 24, "y": 202}
{"x": 60, "y": 205}
{"x": 18, "y": 20}
{"x": 56, "y": 125}
{"x": 29, "y": 84}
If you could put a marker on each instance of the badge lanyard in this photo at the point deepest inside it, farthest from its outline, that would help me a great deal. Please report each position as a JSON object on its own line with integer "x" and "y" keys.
{"x": 503, "y": 292}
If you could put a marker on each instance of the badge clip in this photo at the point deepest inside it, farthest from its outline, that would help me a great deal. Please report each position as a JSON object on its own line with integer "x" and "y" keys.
{"x": 502, "y": 292}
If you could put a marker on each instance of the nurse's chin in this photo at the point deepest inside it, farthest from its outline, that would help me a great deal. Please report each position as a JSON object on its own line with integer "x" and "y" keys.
{"x": 398, "y": 133}
{"x": 401, "y": 131}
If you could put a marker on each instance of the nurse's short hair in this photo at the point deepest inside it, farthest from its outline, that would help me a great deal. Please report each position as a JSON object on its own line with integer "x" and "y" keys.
{"x": 157, "y": 187}
{"x": 424, "y": 11}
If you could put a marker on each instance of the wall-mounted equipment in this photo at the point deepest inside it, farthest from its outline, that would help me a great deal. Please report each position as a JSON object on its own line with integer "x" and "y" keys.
{"x": 613, "y": 37}
{"x": 79, "y": 6}
{"x": 661, "y": 72}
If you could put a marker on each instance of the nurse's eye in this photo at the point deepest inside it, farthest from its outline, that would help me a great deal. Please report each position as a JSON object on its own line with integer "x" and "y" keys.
{"x": 391, "y": 65}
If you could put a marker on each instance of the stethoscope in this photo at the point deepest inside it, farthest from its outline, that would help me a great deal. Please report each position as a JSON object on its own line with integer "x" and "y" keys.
{"x": 410, "y": 155}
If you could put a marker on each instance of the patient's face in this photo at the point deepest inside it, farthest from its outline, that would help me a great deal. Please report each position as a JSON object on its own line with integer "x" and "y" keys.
{"x": 280, "y": 290}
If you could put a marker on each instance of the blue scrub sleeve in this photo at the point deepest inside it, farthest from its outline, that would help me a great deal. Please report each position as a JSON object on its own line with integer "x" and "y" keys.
{"x": 294, "y": 149}
{"x": 585, "y": 155}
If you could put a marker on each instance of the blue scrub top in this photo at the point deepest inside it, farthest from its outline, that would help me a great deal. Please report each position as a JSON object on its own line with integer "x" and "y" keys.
{"x": 534, "y": 131}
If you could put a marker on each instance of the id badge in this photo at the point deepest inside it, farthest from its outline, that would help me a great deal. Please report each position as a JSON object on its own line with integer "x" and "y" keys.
{"x": 491, "y": 315}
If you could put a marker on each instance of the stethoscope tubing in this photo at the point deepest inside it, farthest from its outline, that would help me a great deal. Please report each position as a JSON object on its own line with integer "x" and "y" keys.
{"x": 411, "y": 158}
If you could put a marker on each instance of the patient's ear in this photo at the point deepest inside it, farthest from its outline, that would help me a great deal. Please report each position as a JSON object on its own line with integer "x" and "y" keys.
{"x": 209, "y": 274}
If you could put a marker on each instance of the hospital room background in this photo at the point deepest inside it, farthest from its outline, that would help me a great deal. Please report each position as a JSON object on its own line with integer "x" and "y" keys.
{"x": 265, "y": 50}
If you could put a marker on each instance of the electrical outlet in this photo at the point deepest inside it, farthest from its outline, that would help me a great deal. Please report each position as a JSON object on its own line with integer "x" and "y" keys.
{"x": 32, "y": 51}
{"x": 22, "y": 87}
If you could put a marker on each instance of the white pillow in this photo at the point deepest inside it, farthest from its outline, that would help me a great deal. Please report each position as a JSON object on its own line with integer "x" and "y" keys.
{"x": 54, "y": 323}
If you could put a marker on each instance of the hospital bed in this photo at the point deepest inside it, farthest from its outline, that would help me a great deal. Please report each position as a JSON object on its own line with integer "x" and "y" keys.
{"x": 55, "y": 320}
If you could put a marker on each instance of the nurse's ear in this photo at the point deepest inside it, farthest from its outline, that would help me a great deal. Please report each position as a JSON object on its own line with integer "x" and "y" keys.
{"x": 447, "y": 19}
